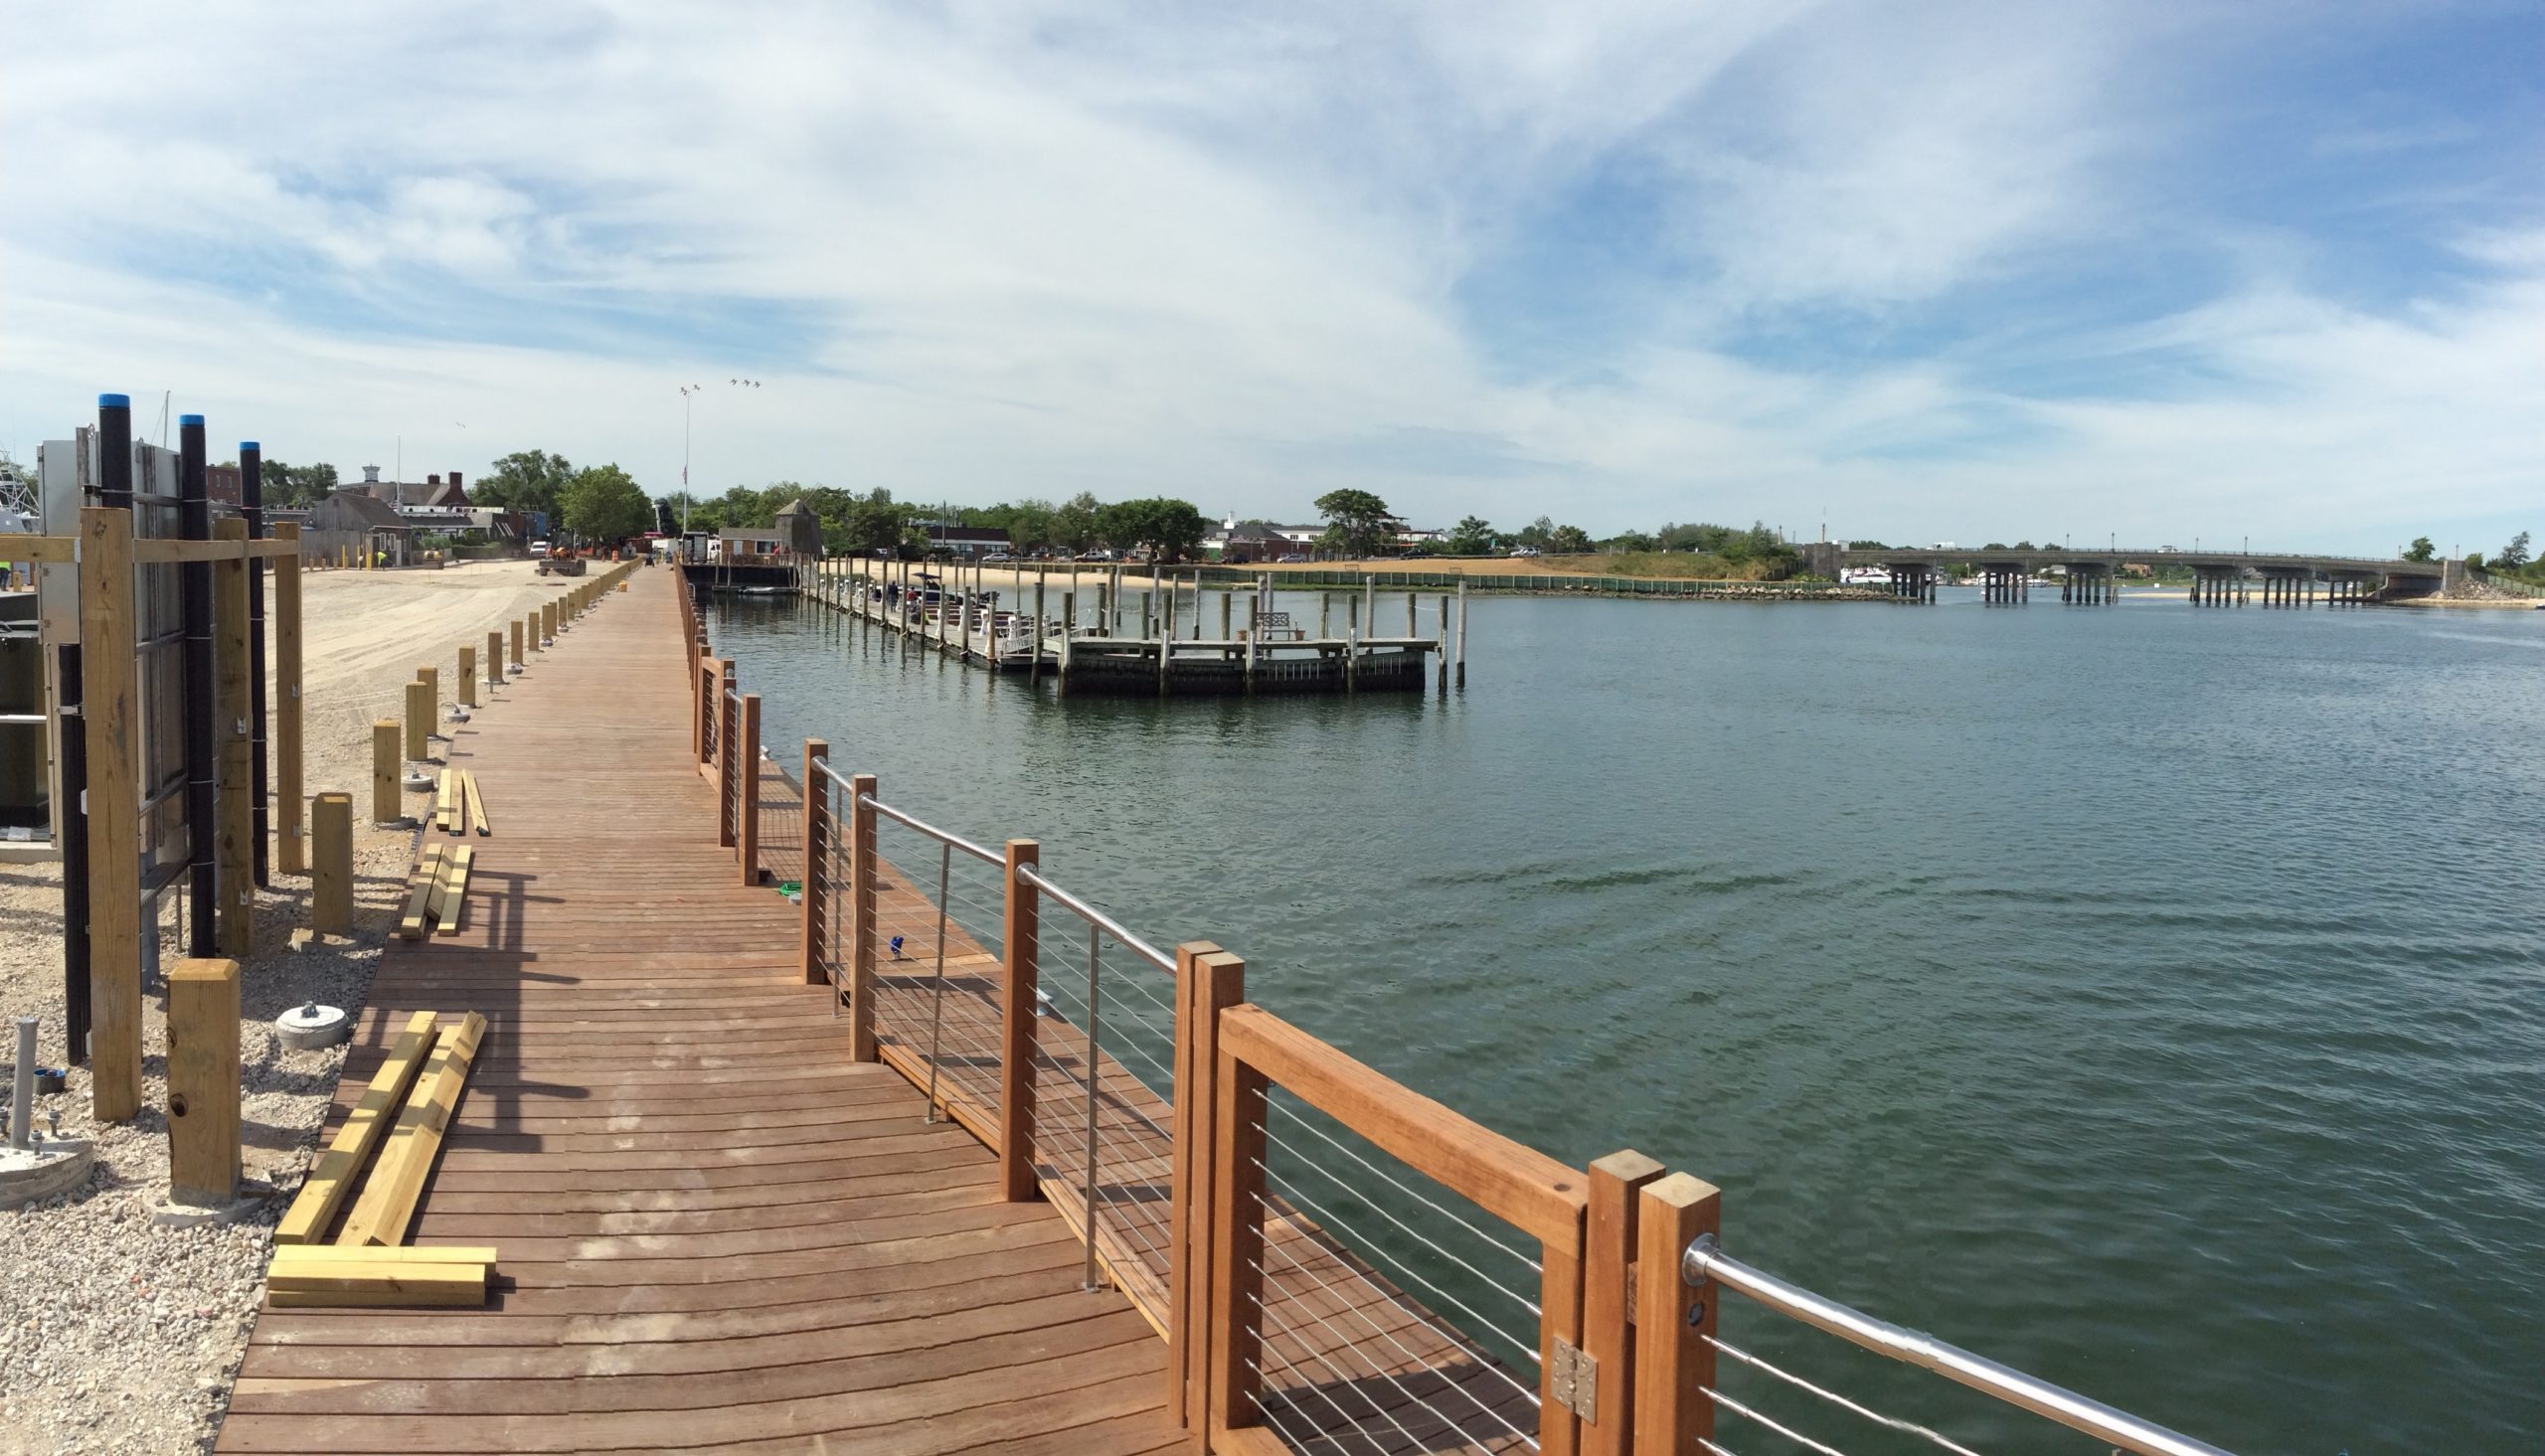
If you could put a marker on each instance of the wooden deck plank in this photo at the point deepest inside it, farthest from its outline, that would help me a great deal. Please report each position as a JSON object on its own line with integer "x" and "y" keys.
{"x": 716, "y": 1232}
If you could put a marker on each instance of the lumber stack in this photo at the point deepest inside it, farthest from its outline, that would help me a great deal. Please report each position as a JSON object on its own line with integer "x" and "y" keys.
{"x": 419, "y": 1083}
{"x": 458, "y": 805}
{"x": 437, "y": 892}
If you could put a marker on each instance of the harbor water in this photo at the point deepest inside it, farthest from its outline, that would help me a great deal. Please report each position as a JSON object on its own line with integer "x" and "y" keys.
{"x": 2149, "y": 998}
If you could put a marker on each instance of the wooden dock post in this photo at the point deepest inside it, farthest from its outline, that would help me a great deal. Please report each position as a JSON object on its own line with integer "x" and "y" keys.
{"x": 290, "y": 851}
{"x": 746, "y": 795}
{"x": 1674, "y": 1323}
{"x": 113, "y": 735}
{"x": 1351, "y": 615}
{"x": 1208, "y": 981}
{"x": 516, "y": 637}
{"x": 419, "y": 719}
{"x": 1462, "y": 633}
{"x": 1034, "y": 666}
{"x": 235, "y": 783}
{"x": 1369, "y": 601}
{"x": 818, "y": 829}
{"x": 385, "y": 807}
{"x": 1324, "y": 615}
{"x": 202, "y": 1077}
{"x": 1615, "y": 1185}
{"x": 862, "y": 875}
{"x": 331, "y": 888}
{"x": 1019, "y": 1011}
{"x": 467, "y": 675}
{"x": 495, "y": 660}
{"x": 1228, "y": 607}
{"x": 1440, "y": 642}
{"x": 1411, "y": 629}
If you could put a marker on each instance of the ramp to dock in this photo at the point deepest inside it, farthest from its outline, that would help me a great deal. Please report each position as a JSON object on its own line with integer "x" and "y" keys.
{"x": 716, "y": 1230}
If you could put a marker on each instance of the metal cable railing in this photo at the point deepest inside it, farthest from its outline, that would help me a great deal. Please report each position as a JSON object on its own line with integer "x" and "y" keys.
{"x": 1393, "y": 1317}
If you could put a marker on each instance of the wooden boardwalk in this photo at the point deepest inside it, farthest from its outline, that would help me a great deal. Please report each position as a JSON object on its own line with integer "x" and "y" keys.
{"x": 716, "y": 1232}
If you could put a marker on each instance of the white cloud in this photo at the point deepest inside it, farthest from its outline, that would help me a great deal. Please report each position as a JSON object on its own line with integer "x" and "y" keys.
{"x": 1003, "y": 250}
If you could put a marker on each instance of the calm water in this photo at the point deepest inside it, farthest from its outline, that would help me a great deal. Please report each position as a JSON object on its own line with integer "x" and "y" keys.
{"x": 2149, "y": 998}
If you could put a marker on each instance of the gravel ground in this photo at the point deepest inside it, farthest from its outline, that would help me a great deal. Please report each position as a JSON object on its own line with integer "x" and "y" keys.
{"x": 120, "y": 1337}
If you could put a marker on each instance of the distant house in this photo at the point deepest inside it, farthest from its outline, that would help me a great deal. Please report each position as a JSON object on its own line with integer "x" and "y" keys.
{"x": 1252, "y": 541}
{"x": 358, "y": 525}
{"x": 964, "y": 541}
{"x": 434, "y": 491}
{"x": 741, "y": 544}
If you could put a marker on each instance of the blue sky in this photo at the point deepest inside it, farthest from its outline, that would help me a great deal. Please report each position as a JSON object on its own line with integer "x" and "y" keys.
{"x": 1948, "y": 271}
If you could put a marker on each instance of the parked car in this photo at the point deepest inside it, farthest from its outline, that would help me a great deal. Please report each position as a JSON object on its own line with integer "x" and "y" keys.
{"x": 1292, "y": 556}
{"x": 998, "y": 557}
{"x": 1524, "y": 551}
{"x": 538, "y": 550}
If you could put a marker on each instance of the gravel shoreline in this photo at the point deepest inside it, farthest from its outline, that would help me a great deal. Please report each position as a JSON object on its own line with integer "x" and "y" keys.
{"x": 116, "y": 1336}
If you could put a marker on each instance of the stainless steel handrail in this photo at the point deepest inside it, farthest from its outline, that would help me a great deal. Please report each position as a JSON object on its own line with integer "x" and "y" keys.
{"x": 932, "y": 830}
{"x": 1098, "y": 918}
{"x": 1705, "y": 1260}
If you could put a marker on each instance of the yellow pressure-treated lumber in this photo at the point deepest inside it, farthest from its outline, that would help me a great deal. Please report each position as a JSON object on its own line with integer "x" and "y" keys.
{"x": 331, "y": 1178}
{"x": 383, "y": 1281}
{"x": 454, "y": 889}
{"x": 419, "y": 892}
{"x": 388, "y": 1203}
{"x": 203, "y": 1081}
{"x": 303, "y": 1257}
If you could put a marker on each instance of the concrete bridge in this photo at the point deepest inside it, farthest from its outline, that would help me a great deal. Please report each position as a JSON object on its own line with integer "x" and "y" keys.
{"x": 2219, "y": 579}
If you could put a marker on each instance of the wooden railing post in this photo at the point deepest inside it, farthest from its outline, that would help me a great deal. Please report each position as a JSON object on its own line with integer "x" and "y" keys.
{"x": 1207, "y": 981}
{"x": 1675, "y": 1322}
{"x": 1021, "y": 945}
{"x": 495, "y": 660}
{"x": 331, "y": 890}
{"x": 1235, "y": 1273}
{"x": 467, "y": 675}
{"x": 862, "y": 873}
{"x": 516, "y": 642}
{"x": 289, "y": 851}
{"x": 747, "y": 796}
{"x": 113, "y": 730}
{"x": 818, "y": 829}
{"x": 1608, "y": 1334}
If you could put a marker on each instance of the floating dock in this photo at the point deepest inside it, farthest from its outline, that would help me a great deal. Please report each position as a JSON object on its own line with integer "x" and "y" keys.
{"x": 1268, "y": 653}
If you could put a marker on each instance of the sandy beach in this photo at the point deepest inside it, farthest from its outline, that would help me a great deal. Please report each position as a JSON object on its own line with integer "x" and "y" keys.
{"x": 120, "y": 1336}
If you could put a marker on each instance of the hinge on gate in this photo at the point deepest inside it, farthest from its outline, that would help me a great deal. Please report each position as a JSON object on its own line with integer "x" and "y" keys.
{"x": 1577, "y": 1381}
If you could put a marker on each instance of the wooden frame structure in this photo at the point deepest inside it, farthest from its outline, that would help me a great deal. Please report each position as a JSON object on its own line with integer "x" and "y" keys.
{"x": 107, "y": 553}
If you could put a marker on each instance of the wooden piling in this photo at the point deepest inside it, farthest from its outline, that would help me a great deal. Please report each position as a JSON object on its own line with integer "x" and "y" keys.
{"x": 386, "y": 806}
{"x": 289, "y": 844}
{"x": 1462, "y": 633}
{"x": 331, "y": 890}
{"x": 516, "y": 643}
{"x": 495, "y": 660}
{"x": 233, "y": 824}
{"x": 468, "y": 676}
{"x": 202, "y": 1076}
